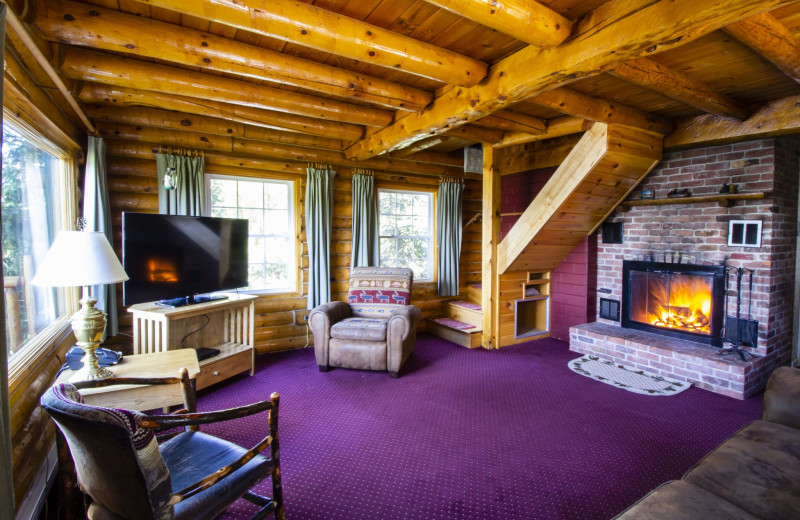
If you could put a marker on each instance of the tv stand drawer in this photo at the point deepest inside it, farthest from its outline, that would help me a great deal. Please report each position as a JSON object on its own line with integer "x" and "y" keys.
{"x": 213, "y": 371}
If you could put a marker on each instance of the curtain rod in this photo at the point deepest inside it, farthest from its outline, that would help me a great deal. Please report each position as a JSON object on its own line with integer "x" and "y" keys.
{"x": 24, "y": 35}
{"x": 169, "y": 150}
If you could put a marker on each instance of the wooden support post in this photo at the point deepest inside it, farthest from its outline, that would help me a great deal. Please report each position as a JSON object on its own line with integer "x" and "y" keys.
{"x": 490, "y": 298}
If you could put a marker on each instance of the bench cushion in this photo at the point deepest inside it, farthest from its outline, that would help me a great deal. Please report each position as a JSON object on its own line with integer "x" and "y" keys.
{"x": 366, "y": 329}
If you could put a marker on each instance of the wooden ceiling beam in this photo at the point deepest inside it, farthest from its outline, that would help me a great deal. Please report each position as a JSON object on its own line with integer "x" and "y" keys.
{"x": 95, "y": 93}
{"x": 115, "y": 70}
{"x": 556, "y": 127}
{"x": 89, "y": 26}
{"x": 574, "y": 103}
{"x": 776, "y": 118}
{"x": 613, "y": 33}
{"x": 766, "y": 35}
{"x": 654, "y": 76}
{"x": 537, "y": 155}
{"x": 155, "y": 117}
{"x": 327, "y": 31}
{"x": 513, "y": 122}
{"x": 263, "y": 149}
{"x": 476, "y": 133}
{"x": 421, "y": 146}
{"x": 525, "y": 20}
{"x": 430, "y": 157}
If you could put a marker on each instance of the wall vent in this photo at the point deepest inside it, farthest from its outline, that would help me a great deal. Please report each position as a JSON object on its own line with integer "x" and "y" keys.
{"x": 609, "y": 309}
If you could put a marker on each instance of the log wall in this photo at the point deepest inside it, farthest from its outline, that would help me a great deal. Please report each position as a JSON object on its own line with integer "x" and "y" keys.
{"x": 279, "y": 319}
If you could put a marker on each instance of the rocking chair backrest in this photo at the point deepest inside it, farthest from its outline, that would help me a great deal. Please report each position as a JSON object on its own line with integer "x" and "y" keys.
{"x": 117, "y": 462}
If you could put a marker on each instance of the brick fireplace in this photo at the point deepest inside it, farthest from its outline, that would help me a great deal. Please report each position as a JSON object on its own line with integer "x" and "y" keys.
{"x": 697, "y": 234}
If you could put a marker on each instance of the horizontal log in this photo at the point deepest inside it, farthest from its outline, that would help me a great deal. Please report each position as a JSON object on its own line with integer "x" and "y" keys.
{"x": 86, "y": 65}
{"x": 556, "y": 127}
{"x": 476, "y": 133}
{"x": 97, "y": 93}
{"x": 142, "y": 116}
{"x": 90, "y": 26}
{"x": 776, "y": 118}
{"x": 133, "y": 138}
{"x": 766, "y": 35}
{"x": 326, "y": 31}
{"x": 536, "y": 155}
{"x": 652, "y": 75}
{"x": 513, "y": 122}
{"x": 577, "y": 104}
{"x": 525, "y": 20}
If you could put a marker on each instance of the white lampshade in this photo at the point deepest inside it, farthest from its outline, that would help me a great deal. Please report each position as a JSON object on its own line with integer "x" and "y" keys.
{"x": 79, "y": 258}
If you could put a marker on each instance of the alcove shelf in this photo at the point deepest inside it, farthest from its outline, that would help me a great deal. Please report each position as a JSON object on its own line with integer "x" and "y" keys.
{"x": 532, "y": 311}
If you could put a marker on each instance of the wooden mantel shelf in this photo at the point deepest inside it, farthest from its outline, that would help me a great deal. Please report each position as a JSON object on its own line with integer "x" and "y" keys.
{"x": 724, "y": 200}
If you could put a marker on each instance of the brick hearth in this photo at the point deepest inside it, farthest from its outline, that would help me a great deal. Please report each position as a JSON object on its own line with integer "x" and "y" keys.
{"x": 678, "y": 359}
{"x": 700, "y": 230}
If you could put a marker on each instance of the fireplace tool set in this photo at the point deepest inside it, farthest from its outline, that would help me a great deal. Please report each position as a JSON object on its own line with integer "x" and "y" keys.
{"x": 742, "y": 332}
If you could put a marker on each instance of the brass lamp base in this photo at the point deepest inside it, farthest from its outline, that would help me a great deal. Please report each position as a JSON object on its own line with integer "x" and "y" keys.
{"x": 88, "y": 325}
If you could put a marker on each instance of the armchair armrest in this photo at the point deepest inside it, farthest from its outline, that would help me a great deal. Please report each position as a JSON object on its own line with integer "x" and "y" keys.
{"x": 327, "y": 314}
{"x": 404, "y": 319}
{"x": 320, "y": 320}
{"x": 782, "y": 397}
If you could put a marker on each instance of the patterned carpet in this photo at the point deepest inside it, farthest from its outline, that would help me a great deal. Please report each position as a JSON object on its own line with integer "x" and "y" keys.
{"x": 471, "y": 434}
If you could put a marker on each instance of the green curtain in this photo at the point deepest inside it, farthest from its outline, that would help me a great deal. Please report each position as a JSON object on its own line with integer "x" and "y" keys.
{"x": 364, "y": 252}
{"x": 448, "y": 234}
{"x": 6, "y": 474}
{"x": 97, "y": 212}
{"x": 189, "y": 195}
{"x": 319, "y": 216}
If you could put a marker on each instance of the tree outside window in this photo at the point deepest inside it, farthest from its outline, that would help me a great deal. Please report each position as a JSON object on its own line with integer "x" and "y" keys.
{"x": 405, "y": 220}
{"x": 268, "y": 206}
{"x": 32, "y": 194}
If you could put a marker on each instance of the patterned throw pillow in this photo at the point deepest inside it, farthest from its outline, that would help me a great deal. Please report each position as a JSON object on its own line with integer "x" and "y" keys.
{"x": 375, "y": 292}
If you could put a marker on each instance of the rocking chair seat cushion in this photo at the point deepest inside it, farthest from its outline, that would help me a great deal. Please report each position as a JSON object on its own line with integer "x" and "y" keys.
{"x": 367, "y": 329}
{"x": 192, "y": 456}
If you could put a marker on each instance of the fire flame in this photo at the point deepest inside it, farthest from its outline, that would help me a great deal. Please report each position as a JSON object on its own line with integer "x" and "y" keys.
{"x": 163, "y": 271}
{"x": 684, "y": 303}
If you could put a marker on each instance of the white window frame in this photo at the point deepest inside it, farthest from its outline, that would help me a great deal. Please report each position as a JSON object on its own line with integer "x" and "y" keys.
{"x": 745, "y": 225}
{"x": 292, "y": 232}
{"x": 21, "y": 361}
{"x": 431, "y": 227}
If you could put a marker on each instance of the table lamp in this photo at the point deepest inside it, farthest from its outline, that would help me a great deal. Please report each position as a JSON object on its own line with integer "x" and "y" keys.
{"x": 83, "y": 258}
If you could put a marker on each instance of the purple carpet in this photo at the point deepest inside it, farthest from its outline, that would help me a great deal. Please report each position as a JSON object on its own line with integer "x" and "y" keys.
{"x": 470, "y": 434}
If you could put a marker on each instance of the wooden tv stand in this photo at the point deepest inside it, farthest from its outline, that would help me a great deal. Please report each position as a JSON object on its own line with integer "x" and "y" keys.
{"x": 226, "y": 325}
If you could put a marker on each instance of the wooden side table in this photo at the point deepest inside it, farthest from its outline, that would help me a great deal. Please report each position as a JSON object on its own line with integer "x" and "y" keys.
{"x": 134, "y": 397}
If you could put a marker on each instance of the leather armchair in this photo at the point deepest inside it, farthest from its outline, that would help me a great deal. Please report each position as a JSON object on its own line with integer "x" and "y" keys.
{"x": 375, "y": 329}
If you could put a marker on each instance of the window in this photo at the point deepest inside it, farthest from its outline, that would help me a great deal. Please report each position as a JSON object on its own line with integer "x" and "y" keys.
{"x": 35, "y": 197}
{"x": 405, "y": 221}
{"x": 269, "y": 206}
{"x": 746, "y": 233}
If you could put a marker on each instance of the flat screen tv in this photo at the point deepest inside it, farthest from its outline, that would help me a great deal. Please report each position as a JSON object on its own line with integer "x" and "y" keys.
{"x": 176, "y": 260}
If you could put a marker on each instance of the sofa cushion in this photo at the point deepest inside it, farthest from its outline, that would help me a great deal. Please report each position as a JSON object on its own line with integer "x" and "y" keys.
{"x": 679, "y": 500}
{"x": 782, "y": 397}
{"x": 758, "y": 469}
{"x": 375, "y": 292}
{"x": 366, "y": 329}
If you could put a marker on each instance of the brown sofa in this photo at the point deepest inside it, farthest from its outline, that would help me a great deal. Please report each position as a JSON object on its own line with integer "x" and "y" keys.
{"x": 375, "y": 329}
{"x": 753, "y": 475}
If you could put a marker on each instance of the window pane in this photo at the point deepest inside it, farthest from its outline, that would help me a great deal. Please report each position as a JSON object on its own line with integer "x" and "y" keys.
{"x": 251, "y": 195}
{"x": 405, "y": 228}
{"x": 267, "y": 205}
{"x": 31, "y": 199}
{"x": 223, "y": 193}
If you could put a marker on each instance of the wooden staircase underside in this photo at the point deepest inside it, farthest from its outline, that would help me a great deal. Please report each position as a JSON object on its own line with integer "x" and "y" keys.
{"x": 606, "y": 164}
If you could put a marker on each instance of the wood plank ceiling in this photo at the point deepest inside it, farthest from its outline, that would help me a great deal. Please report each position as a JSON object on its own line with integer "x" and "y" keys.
{"x": 402, "y": 82}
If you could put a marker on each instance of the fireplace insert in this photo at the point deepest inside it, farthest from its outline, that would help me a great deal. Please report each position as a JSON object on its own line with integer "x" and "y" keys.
{"x": 678, "y": 300}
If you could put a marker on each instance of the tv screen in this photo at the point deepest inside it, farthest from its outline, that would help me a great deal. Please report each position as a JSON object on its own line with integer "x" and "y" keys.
{"x": 171, "y": 256}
